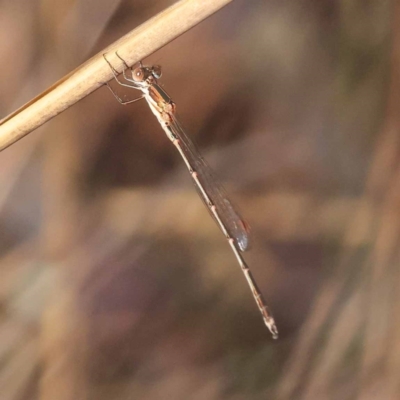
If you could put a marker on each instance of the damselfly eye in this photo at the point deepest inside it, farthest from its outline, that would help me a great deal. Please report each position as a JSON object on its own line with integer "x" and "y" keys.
{"x": 156, "y": 71}
{"x": 138, "y": 74}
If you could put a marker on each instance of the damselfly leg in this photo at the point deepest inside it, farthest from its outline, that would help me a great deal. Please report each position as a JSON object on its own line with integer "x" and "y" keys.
{"x": 132, "y": 86}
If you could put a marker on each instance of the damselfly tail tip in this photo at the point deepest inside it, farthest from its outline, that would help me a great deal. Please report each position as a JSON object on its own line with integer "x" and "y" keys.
{"x": 270, "y": 323}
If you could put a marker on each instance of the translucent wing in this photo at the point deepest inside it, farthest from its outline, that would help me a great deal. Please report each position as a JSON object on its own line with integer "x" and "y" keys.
{"x": 234, "y": 224}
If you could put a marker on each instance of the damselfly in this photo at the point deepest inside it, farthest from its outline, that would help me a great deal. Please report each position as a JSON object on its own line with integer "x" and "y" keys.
{"x": 234, "y": 228}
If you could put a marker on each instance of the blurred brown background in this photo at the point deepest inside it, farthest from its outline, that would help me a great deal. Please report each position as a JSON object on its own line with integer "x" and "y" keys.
{"x": 115, "y": 282}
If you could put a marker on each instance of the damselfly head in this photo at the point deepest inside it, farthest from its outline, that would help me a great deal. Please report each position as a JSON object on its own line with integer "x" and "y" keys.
{"x": 143, "y": 74}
